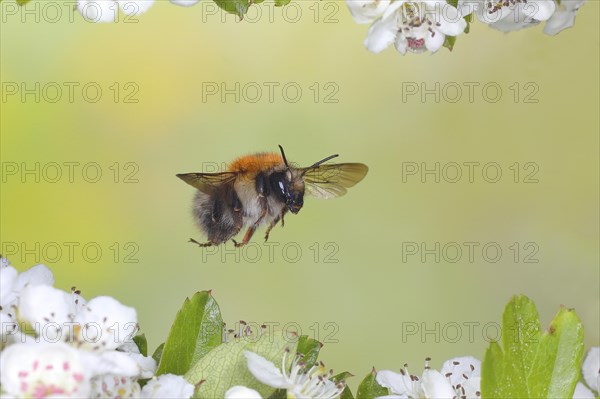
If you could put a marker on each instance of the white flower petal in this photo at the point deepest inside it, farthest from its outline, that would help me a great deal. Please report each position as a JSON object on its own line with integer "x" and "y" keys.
{"x": 560, "y": 21}
{"x": 37, "y": 275}
{"x": 106, "y": 323}
{"x": 168, "y": 386}
{"x": 41, "y": 370}
{"x": 185, "y": 3}
{"x": 381, "y": 34}
{"x": 591, "y": 369}
{"x": 435, "y": 385}
{"x": 543, "y": 9}
{"x": 401, "y": 44}
{"x": 98, "y": 10}
{"x": 451, "y": 21}
{"x": 265, "y": 371}
{"x": 434, "y": 42}
{"x": 4, "y": 262}
{"x": 366, "y": 11}
{"x": 240, "y": 392}
{"x": 111, "y": 362}
{"x": 135, "y": 7}
{"x": 146, "y": 364}
{"x": 8, "y": 280}
{"x": 47, "y": 310}
{"x": 399, "y": 383}
{"x": 459, "y": 366}
{"x": 582, "y": 392}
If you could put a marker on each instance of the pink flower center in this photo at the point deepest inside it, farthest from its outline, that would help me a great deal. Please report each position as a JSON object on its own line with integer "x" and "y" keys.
{"x": 415, "y": 44}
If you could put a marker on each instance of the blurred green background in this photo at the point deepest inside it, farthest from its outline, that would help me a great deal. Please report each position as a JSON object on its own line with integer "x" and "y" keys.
{"x": 364, "y": 305}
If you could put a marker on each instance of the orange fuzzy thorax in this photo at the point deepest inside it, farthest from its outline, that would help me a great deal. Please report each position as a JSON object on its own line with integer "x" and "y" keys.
{"x": 250, "y": 165}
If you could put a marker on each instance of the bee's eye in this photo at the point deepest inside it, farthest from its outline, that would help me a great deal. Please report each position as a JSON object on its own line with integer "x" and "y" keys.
{"x": 282, "y": 186}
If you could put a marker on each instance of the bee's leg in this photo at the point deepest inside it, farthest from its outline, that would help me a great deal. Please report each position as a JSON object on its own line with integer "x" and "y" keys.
{"x": 254, "y": 226}
{"x": 200, "y": 244}
{"x": 283, "y": 212}
{"x": 274, "y": 223}
{"x": 247, "y": 237}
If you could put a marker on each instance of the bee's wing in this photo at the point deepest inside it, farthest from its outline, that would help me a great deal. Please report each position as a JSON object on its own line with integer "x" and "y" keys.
{"x": 331, "y": 180}
{"x": 207, "y": 182}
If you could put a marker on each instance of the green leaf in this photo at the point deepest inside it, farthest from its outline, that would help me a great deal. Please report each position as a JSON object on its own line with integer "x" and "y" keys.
{"x": 197, "y": 329}
{"x": 142, "y": 344}
{"x": 280, "y": 3}
{"x": 369, "y": 388}
{"x": 158, "y": 353}
{"x": 346, "y": 393}
{"x": 449, "y": 42}
{"x": 562, "y": 346}
{"x": 226, "y": 365}
{"x": 531, "y": 364}
{"x": 22, "y": 2}
{"x": 309, "y": 348}
{"x": 237, "y": 7}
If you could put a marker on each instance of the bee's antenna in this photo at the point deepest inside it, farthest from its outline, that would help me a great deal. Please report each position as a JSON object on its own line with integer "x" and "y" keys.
{"x": 320, "y": 162}
{"x": 284, "y": 158}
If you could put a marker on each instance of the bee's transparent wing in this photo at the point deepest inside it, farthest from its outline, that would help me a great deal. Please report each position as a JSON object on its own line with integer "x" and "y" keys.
{"x": 207, "y": 182}
{"x": 332, "y": 180}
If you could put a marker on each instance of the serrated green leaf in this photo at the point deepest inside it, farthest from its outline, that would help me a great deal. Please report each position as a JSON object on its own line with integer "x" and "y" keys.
{"x": 237, "y": 7}
{"x": 196, "y": 331}
{"x": 158, "y": 353}
{"x": 309, "y": 348}
{"x": 142, "y": 343}
{"x": 530, "y": 364}
{"x": 226, "y": 365}
{"x": 280, "y": 3}
{"x": 562, "y": 346}
{"x": 369, "y": 388}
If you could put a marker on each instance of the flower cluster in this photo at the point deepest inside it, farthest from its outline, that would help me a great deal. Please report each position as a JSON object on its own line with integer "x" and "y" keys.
{"x": 54, "y": 343}
{"x": 458, "y": 378}
{"x": 426, "y": 25}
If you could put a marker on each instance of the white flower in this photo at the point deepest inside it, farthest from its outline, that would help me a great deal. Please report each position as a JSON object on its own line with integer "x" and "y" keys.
{"x": 240, "y": 392}
{"x": 509, "y": 15}
{"x": 300, "y": 382}
{"x": 40, "y": 370}
{"x": 106, "y": 323}
{"x": 563, "y": 17}
{"x": 415, "y": 26}
{"x": 168, "y": 386}
{"x": 12, "y": 284}
{"x": 582, "y": 392}
{"x": 185, "y": 3}
{"x": 591, "y": 369}
{"x": 460, "y": 377}
{"x": 366, "y": 11}
{"x": 106, "y": 10}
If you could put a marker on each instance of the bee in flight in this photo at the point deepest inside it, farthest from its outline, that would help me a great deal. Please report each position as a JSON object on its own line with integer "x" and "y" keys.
{"x": 259, "y": 189}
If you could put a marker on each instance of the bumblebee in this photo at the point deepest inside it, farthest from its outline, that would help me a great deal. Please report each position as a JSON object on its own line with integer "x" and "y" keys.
{"x": 259, "y": 189}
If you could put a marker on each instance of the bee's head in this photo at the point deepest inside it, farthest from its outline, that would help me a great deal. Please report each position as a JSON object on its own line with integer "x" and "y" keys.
{"x": 290, "y": 188}
{"x": 289, "y": 185}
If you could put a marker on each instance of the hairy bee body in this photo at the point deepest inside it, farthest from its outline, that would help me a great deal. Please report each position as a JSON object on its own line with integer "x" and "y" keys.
{"x": 241, "y": 202}
{"x": 259, "y": 189}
